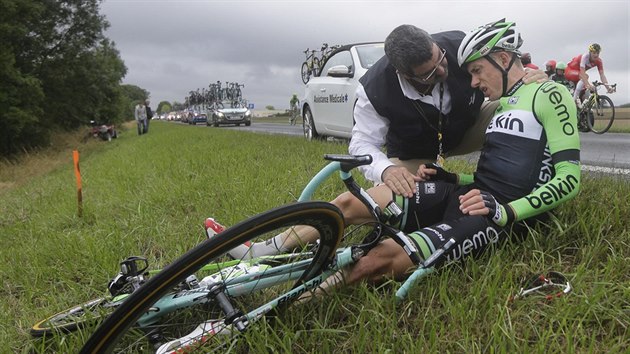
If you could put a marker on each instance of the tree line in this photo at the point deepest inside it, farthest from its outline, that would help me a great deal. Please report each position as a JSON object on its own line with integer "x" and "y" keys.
{"x": 57, "y": 71}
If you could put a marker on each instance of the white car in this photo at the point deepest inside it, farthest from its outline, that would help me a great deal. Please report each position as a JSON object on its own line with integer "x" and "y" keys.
{"x": 329, "y": 98}
{"x": 226, "y": 113}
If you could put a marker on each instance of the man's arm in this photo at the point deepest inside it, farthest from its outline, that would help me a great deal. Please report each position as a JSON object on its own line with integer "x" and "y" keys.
{"x": 368, "y": 137}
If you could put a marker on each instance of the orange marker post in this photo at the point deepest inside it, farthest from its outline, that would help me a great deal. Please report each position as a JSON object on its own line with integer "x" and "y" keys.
{"x": 77, "y": 173}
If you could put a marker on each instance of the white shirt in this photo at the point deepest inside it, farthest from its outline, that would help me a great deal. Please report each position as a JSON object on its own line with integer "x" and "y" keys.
{"x": 141, "y": 112}
{"x": 370, "y": 129}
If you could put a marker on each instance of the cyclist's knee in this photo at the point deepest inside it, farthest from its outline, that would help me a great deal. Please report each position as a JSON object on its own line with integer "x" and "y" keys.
{"x": 351, "y": 208}
{"x": 372, "y": 268}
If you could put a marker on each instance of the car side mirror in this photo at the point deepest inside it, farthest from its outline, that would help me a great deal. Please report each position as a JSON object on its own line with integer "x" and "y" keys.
{"x": 339, "y": 71}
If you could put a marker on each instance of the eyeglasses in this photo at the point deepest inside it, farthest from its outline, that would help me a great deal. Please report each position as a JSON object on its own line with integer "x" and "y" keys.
{"x": 432, "y": 73}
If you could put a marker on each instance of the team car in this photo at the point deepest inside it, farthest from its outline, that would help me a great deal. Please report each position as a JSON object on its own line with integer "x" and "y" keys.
{"x": 227, "y": 114}
{"x": 329, "y": 98}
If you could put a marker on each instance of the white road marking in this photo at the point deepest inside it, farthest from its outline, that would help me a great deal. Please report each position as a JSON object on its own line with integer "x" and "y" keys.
{"x": 611, "y": 170}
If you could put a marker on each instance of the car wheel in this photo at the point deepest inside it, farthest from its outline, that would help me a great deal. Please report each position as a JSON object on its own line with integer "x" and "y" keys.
{"x": 308, "y": 125}
{"x": 216, "y": 124}
{"x": 248, "y": 124}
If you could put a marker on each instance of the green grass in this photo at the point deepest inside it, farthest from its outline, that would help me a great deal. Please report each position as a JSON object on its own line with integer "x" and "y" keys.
{"x": 149, "y": 195}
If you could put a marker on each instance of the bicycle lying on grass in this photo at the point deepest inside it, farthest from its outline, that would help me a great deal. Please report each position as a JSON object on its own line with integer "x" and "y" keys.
{"x": 597, "y": 113}
{"x": 235, "y": 298}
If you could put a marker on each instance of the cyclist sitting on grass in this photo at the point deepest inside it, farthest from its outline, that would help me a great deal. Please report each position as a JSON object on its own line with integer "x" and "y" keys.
{"x": 529, "y": 165}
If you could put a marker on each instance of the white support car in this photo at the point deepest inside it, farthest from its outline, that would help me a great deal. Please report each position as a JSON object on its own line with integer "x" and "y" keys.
{"x": 330, "y": 97}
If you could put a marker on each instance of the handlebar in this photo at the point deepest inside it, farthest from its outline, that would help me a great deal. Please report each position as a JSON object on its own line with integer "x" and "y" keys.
{"x": 613, "y": 87}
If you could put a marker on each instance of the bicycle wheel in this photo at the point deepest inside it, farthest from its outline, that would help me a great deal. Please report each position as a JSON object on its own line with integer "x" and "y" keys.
{"x": 74, "y": 318}
{"x": 116, "y": 333}
{"x": 603, "y": 115}
{"x": 306, "y": 75}
{"x": 316, "y": 66}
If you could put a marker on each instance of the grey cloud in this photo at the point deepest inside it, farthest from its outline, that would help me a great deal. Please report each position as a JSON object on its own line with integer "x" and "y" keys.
{"x": 172, "y": 47}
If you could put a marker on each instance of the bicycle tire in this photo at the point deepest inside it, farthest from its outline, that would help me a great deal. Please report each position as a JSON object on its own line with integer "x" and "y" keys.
{"x": 316, "y": 66}
{"x": 324, "y": 217}
{"x": 74, "y": 318}
{"x": 603, "y": 115}
{"x": 306, "y": 75}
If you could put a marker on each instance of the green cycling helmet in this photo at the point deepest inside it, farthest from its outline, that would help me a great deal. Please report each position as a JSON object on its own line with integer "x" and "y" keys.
{"x": 493, "y": 37}
{"x": 561, "y": 66}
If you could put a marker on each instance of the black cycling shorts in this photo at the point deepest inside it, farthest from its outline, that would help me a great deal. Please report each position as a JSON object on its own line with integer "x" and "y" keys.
{"x": 432, "y": 217}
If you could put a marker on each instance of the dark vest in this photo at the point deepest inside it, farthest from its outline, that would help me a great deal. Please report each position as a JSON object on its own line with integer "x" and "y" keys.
{"x": 410, "y": 136}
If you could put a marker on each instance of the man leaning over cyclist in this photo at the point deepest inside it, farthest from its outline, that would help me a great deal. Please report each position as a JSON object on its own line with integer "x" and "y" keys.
{"x": 528, "y": 166}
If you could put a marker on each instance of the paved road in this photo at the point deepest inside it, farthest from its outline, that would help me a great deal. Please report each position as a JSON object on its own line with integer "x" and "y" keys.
{"x": 609, "y": 152}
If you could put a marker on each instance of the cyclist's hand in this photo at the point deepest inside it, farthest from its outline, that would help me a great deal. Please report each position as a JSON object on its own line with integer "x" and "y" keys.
{"x": 477, "y": 202}
{"x": 534, "y": 75}
{"x": 400, "y": 180}
{"x": 610, "y": 89}
{"x": 433, "y": 172}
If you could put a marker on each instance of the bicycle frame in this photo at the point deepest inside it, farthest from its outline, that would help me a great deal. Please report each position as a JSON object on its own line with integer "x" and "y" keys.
{"x": 345, "y": 257}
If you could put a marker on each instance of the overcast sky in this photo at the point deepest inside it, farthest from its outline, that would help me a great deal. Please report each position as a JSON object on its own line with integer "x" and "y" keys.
{"x": 171, "y": 47}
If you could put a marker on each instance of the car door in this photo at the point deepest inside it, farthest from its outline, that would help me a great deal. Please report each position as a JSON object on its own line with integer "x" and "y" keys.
{"x": 337, "y": 95}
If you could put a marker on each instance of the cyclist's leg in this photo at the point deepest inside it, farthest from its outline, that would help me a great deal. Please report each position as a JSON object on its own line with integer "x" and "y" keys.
{"x": 354, "y": 211}
{"x": 388, "y": 260}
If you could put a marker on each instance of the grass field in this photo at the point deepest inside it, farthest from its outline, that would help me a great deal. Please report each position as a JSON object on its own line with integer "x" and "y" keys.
{"x": 148, "y": 195}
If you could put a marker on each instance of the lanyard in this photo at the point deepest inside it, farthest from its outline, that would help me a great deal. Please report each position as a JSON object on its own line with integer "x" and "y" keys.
{"x": 440, "y": 156}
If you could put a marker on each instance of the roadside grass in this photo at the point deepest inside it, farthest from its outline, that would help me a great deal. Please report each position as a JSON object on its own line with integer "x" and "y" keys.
{"x": 148, "y": 195}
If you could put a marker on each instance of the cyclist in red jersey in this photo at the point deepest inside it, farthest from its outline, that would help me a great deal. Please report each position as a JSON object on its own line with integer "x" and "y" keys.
{"x": 577, "y": 67}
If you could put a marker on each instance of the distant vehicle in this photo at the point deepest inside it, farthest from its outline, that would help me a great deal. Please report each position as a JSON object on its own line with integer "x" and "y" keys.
{"x": 197, "y": 117}
{"x": 226, "y": 114}
{"x": 329, "y": 98}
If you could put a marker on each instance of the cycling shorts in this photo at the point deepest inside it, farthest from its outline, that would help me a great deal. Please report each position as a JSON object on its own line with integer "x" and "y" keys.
{"x": 432, "y": 217}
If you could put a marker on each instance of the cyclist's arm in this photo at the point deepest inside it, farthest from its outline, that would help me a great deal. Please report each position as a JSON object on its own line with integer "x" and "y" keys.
{"x": 368, "y": 137}
{"x": 554, "y": 109}
{"x": 582, "y": 75}
{"x": 602, "y": 76}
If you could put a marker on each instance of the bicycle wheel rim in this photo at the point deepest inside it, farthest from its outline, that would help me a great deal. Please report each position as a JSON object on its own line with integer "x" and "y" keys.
{"x": 603, "y": 115}
{"x": 305, "y": 73}
{"x": 324, "y": 217}
{"x": 74, "y": 318}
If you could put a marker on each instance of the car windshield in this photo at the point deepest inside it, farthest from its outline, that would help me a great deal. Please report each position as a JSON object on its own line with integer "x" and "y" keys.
{"x": 232, "y": 104}
{"x": 370, "y": 54}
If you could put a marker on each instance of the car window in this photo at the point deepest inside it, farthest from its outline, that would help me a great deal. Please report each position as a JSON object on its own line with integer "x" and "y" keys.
{"x": 341, "y": 58}
{"x": 370, "y": 54}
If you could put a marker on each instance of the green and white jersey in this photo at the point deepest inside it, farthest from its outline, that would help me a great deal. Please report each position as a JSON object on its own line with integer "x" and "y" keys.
{"x": 530, "y": 158}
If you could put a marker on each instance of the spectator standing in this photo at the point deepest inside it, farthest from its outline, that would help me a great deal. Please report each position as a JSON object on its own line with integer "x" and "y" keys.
{"x": 149, "y": 115}
{"x": 141, "y": 118}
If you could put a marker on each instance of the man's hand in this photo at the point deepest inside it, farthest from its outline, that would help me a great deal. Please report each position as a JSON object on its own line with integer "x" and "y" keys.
{"x": 477, "y": 202}
{"x": 400, "y": 180}
{"x": 433, "y": 172}
{"x": 534, "y": 75}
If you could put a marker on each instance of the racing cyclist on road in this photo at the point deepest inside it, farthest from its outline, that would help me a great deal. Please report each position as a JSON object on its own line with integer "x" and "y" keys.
{"x": 576, "y": 72}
